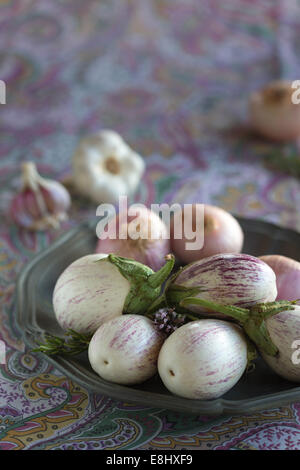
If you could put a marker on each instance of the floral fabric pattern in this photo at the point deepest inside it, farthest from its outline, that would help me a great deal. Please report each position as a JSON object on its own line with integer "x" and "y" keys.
{"x": 173, "y": 77}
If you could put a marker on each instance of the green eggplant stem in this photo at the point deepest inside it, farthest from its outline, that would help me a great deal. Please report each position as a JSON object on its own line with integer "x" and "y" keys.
{"x": 237, "y": 313}
{"x": 251, "y": 319}
{"x": 269, "y": 309}
{"x": 158, "y": 278}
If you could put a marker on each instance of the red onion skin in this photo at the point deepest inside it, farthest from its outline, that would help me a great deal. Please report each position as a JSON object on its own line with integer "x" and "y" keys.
{"x": 287, "y": 273}
{"x": 284, "y": 329}
{"x": 149, "y": 252}
{"x": 222, "y": 233}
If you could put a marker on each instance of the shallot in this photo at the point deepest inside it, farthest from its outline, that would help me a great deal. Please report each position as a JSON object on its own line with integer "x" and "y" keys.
{"x": 273, "y": 113}
{"x": 144, "y": 237}
{"x": 287, "y": 272}
{"x": 222, "y": 232}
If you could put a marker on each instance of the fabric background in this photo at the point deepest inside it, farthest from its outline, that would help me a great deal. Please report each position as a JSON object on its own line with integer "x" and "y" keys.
{"x": 173, "y": 77}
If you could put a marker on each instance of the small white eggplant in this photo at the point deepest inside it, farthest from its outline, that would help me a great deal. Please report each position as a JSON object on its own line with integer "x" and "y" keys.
{"x": 125, "y": 349}
{"x": 203, "y": 359}
{"x": 98, "y": 287}
{"x": 228, "y": 279}
{"x": 284, "y": 331}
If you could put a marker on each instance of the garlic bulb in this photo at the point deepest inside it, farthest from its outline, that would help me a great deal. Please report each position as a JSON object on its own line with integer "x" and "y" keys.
{"x": 105, "y": 167}
{"x": 41, "y": 204}
{"x": 273, "y": 113}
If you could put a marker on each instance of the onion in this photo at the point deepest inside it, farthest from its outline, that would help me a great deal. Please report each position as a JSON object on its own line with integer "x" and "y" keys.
{"x": 222, "y": 232}
{"x": 287, "y": 272}
{"x": 272, "y": 112}
{"x": 98, "y": 287}
{"x": 125, "y": 349}
{"x": 228, "y": 279}
{"x": 284, "y": 331}
{"x": 203, "y": 359}
{"x": 151, "y": 245}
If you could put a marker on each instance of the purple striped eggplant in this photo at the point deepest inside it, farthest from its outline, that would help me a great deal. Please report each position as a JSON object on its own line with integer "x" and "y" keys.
{"x": 284, "y": 331}
{"x": 272, "y": 328}
{"x": 203, "y": 359}
{"x": 125, "y": 349}
{"x": 228, "y": 279}
{"x": 97, "y": 287}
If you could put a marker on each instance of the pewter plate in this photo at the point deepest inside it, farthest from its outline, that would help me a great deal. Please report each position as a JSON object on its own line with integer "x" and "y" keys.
{"x": 259, "y": 390}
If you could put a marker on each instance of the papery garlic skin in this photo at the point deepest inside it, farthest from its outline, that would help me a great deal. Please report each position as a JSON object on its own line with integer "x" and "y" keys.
{"x": 41, "y": 203}
{"x": 105, "y": 167}
{"x": 272, "y": 112}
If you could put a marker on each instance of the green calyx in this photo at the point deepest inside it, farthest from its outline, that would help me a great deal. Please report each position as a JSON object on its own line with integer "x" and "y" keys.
{"x": 251, "y": 355}
{"x": 145, "y": 284}
{"x": 175, "y": 294}
{"x": 251, "y": 319}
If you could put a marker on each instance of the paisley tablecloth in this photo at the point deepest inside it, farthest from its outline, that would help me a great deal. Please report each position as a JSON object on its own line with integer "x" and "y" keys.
{"x": 173, "y": 77}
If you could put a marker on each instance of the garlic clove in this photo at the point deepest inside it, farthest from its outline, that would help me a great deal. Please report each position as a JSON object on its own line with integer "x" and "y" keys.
{"x": 41, "y": 204}
{"x": 24, "y": 210}
{"x": 55, "y": 197}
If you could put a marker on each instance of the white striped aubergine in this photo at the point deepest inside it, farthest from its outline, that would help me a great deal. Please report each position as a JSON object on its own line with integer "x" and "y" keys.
{"x": 284, "y": 330}
{"x": 125, "y": 349}
{"x": 229, "y": 279}
{"x": 98, "y": 287}
{"x": 203, "y": 359}
{"x": 83, "y": 299}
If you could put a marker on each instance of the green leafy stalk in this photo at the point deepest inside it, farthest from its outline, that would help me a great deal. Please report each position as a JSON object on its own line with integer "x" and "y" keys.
{"x": 74, "y": 343}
